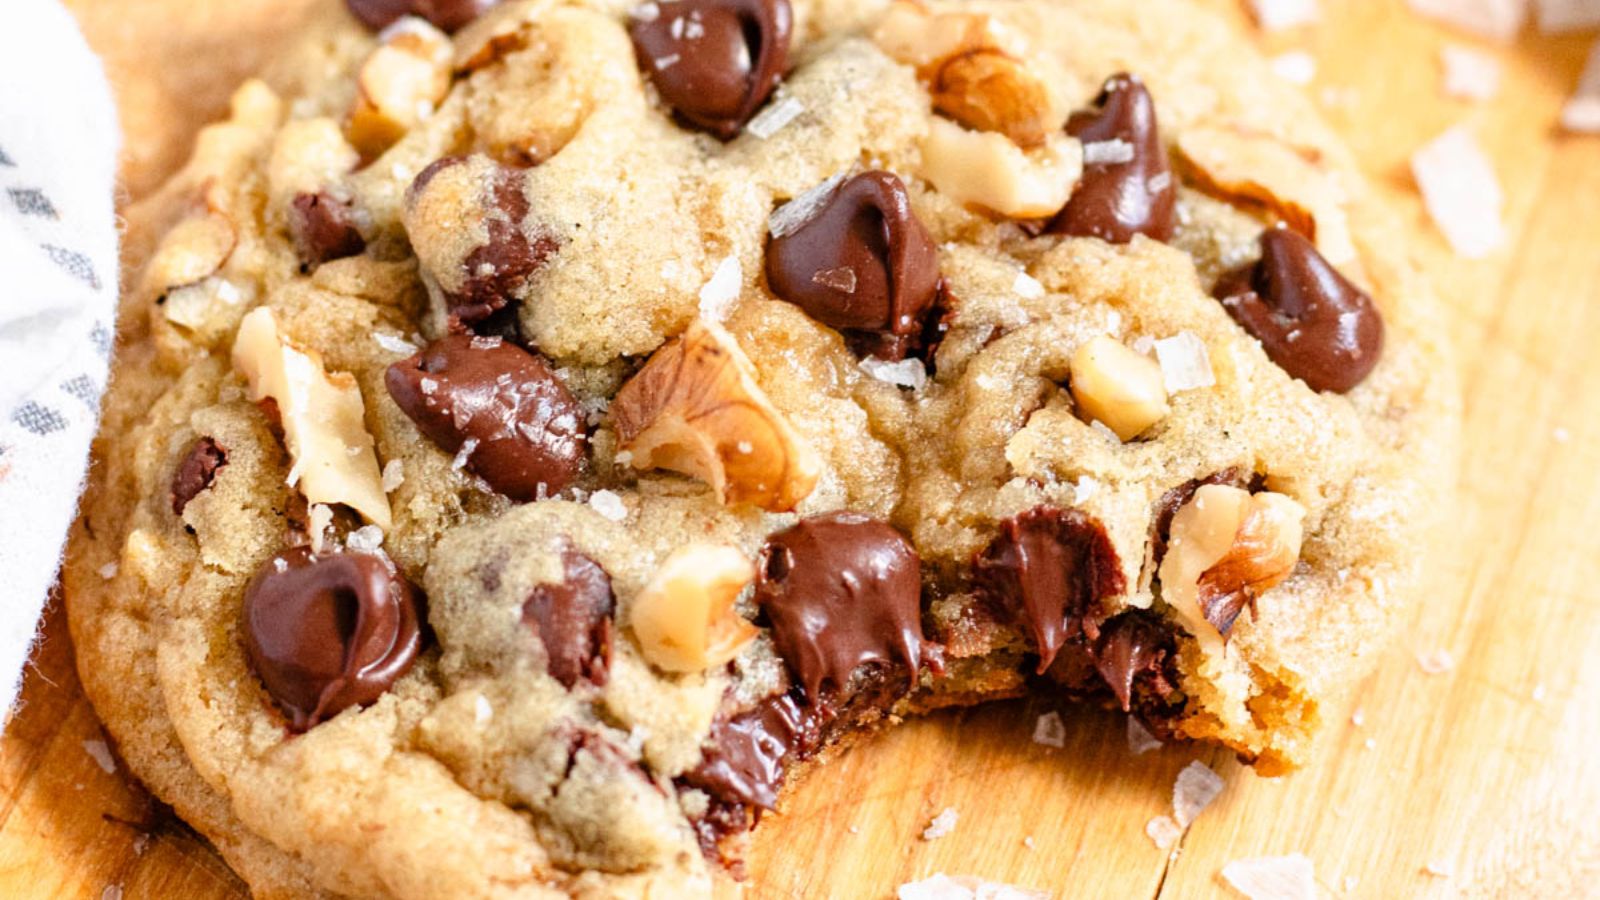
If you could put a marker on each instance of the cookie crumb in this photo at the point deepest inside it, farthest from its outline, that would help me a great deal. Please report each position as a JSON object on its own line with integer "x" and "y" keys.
{"x": 1140, "y": 740}
{"x": 109, "y": 570}
{"x": 1461, "y": 191}
{"x": 1163, "y": 831}
{"x": 722, "y": 291}
{"x": 1050, "y": 731}
{"x": 608, "y": 504}
{"x": 1290, "y": 877}
{"x": 941, "y": 825}
{"x": 1196, "y": 787}
{"x": 101, "y": 754}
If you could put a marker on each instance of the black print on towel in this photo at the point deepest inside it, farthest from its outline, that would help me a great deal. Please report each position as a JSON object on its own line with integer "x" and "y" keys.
{"x": 33, "y": 202}
{"x": 73, "y": 263}
{"x": 40, "y": 420}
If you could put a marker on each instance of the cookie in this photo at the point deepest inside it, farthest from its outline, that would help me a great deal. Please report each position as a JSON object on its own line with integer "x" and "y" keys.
{"x": 542, "y": 430}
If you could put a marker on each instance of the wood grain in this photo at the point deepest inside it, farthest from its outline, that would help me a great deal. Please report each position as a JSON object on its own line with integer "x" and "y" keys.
{"x": 1488, "y": 772}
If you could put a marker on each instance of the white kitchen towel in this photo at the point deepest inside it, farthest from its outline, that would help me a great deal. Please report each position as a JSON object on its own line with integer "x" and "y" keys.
{"x": 58, "y": 292}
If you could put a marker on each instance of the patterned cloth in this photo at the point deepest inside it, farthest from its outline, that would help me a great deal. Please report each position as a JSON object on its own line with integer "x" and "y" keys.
{"x": 58, "y": 246}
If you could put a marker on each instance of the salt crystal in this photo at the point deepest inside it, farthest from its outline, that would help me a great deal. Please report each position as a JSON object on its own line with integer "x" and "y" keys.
{"x": 647, "y": 12}
{"x": 1196, "y": 787}
{"x": 1084, "y": 488}
{"x": 111, "y": 892}
{"x": 1295, "y": 67}
{"x": 1370, "y": 743}
{"x": 1350, "y": 882}
{"x": 366, "y": 539}
{"x": 109, "y": 570}
{"x": 854, "y": 829}
{"x": 842, "y": 279}
{"x": 1461, "y": 192}
{"x": 1581, "y": 114}
{"x": 1185, "y": 363}
{"x": 1359, "y": 717}
{"x": 1497, "y": 19}
{"x": 943, "y": 887}
{"x": 1439, "y": 869}
{"x": 399, "y": 172}
{"x": 1538, "y": 693}
{"x": 1469, "y": 74}
{"x": 1027, "y": 287}
{"x": 227, "y": 292}
{"x": 1028, "y": 842}
{"x": 1163, "y": 831}
{"x": 1140, "y": 740}
{"x": 480, "y": 342}
{"x": 464, "y": 454}
{"x": 745, "y": 447}
{"x": 941, "y": 825}
{"x": 101, "y": 754}
{"x": 482, "y": 711}
{"x": 1436, "y": 663}
{"x": 722, "y": 291}
{"x": 623, "y": 457}
{"x": 609, "y": 505}
{"x": 1561, "y": 435}
{"x": 1159, "y": 182}
{"x": 788, "y": 218}
{"x": 1050, "y": 731}
{"x": 1562, "y": 16}
{"x": 280, "y": 565}
{"x": 772, "y": 120}
{"x": 907, "y": 373}
{"x": 1106, "y": 153}
{"x": 319, "y": 520}
{"x": 1276, "y": 15}
{"x": 394, "y": 475}
{"x": 1289, "y": 877}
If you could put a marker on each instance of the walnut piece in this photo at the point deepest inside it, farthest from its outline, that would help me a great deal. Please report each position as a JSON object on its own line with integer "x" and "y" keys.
{"x": 695, "y": 408}
{"x": 1256, "y": 170}
{"x": 1118, "y": 387}
{"x": 971, "y": 76}
{"x": 684, "y": 618}
{"x": 399, "y": 85}
{"x": 192, "y": 251}
{"x": 324, "y": 424}
{"x": 985, "y": 169}
{"x": 1227, "y": 547}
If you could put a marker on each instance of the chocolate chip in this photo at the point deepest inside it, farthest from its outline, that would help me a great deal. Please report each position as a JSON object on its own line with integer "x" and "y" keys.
{"x": 1049, "y": 567}
{"x": 1310, "y": 320}
{"x": 862, "y": 264}
{"x": 493, "y": 272}
{"x": 572, "y": 618}
{"x": 323, "y": 228}
{"x": 842, "y": 590}
{"x": 1116, "y": 200}
{"x": 1134, "y": 646}
{"x": 714, "y": 61}
{"x": 325, "y": 633}
{"x": 526, "y": 431}
{"x": 744, "y": 756}
{"x": 195, "y": 472}
{"x": 446, "y": 15}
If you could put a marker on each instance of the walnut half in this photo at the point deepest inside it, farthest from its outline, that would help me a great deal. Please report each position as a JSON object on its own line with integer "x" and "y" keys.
{"x": 695, "y": 408}
{"x": 1227, "y": 547}
{"x": 684, "y": 618}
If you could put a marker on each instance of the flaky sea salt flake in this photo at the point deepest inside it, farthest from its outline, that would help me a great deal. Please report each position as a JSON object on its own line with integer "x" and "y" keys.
{"x": 1295, "y": 67}
{"x": 464, "y": 454}
{"x": 722, "y": 290}
{"x": 1196, "y": 787}
{"x": 1185, "y": 362}
{"x": 1050, "y": 731}
{"x": 1112, "y": 152}
{"x": 907, "y": 373}
{"x": 1140, "y": 740}
{"x": 366, "y": 539}
{"x": 318, "y": 521}
{"x": 394, "y": 475}
{"x": 609, "y": 505}
{"x": 1276, "y": 15}
{"x": 1461, "y": 192}
{"x": 941, "y": 824}
{"x": 772, "y": 120}
{"x": 1439, "y": 869}
{"x": 109, "y": 570}
{"x": 101, "y": 754}
{"x": 1289, "y": 877}
{"x": 482, "y": 711}
{"x": 964, "y": 887}
{"x": 1469, "y": 74}
{"x": 787, "y": 219}
{"x": 1163, "y": 831}
{"x": 1027, "y": 287}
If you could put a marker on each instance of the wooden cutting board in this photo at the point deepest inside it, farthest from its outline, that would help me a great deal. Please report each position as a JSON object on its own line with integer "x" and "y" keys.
{"x": 1487, "y": 774}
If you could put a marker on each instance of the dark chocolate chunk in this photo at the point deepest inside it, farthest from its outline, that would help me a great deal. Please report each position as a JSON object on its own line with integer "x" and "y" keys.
{"x": 1310, "y": 320}
{"x": 862, "y": 264}
{"x": 744, "y": 755}
{"x": 323, "y": 228}
{"x": 1116, "y": 200}
{"x": 526, "y": 431}
{"x": 714, "y": 61}
{"x": 1134, "y": 646}
{"x": 446, "y": 15}
{"x": 573, "y": 619}
{"x": 195, "y": 472}
{"x": 842, "y": 590}
{"x": 1049, "y": 567}
{"x": 325, "y": 633}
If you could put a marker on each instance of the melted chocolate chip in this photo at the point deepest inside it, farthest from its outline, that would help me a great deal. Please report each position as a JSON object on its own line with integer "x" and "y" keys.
{"x": 446, "y": 15}
{"x": 1134, "y": 647}
{"x": 325, "y": 633}
{"x": 842, "y": 590}
{"x": 526, "y": 430}
{"x": 323, "y": 228}
{"x": 1049, "y": 567}
{"x": 1116, "y": 200}
{"x": 1310, "y": 320}
{"x": 195, "y": 472}
{"x": 715, "y": 61}
{"x": 862, "y": 264}
{"x": 572, "y": 618}
{"x": 744, "y": 755}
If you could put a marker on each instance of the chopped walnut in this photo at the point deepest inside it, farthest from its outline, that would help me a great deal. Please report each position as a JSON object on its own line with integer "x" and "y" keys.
{"x": 985, "y": 169}
{"x": 1117, "y": 387}
{"x": 684, "y": 618}
{"x": 399, "y": 85}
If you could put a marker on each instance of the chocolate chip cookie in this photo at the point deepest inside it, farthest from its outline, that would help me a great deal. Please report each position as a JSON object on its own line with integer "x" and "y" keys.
{"x": 541, "y": 430}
